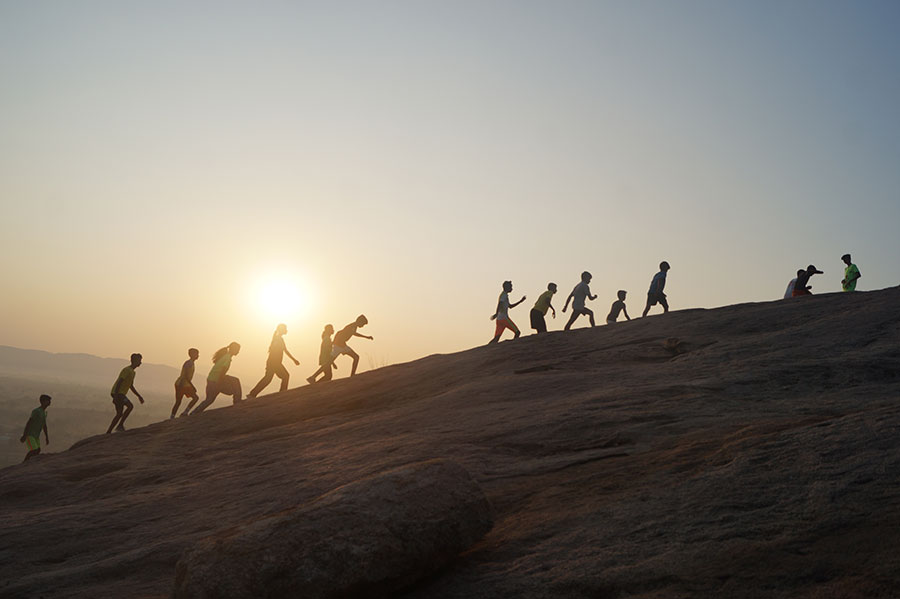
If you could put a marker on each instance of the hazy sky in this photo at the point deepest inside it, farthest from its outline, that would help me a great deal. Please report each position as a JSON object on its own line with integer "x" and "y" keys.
{"x": 162, "y": 162}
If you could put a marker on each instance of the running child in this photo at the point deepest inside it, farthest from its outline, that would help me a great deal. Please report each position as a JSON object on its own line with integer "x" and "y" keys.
{"x": 218, "y": 380}
{"x": 325, "y": 362}
{"x": 274, "y": 367}
{"x": 656, "y": 293}
{"x": 539, "y": 311}
{"x": 617, "y": 306}
{"x": 581, "y": 292}
{"x": 502, "y": 313}
{"x": 183, "y": 385}
{"x": 36, "y": 423}
{"x": 123, "y": 385}
{"x": 340, "y": 344}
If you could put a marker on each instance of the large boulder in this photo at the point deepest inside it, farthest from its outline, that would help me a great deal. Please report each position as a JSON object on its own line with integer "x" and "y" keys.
{"x": 369, "y": 538}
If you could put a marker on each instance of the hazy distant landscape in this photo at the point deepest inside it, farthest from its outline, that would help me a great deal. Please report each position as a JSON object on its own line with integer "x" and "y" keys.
{"x": 79, "y": 385}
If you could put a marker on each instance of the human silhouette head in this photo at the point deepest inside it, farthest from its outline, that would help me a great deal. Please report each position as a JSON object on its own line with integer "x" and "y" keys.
{"x": 361, "y": 320}
{"x": 812, "y": 270}
{"x": 586, "y": 277}
{"x": 621, "y": 294}
{"x": 234, "y": 348}
{"x": 507, "y": 286}
{"x": 193, "y": 353}
{"x": 800, "y": 272}
{"x": 328, "y": 331}
{"x": 664, "y": 266}
{"x": 136, "y": 360}
{"x": 846, "y": 259}
{"x": 45, "y": 401}
{"x": 281, "y": 329}
{"x": 551, "y": 287}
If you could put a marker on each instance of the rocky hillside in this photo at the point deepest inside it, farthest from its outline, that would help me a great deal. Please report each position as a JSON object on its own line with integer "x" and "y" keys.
{"x": 746, "y": 451}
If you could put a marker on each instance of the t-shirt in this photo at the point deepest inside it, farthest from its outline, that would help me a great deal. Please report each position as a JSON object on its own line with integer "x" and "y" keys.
{"x": 614, "y": 310}
{"x": 802, "y": 280}
{"x": 187, "y": 373}
{"x": 503, "y": 305}
{"x": 543, "y": 303}
{"x": 343, "y": 336}
{"x": 325, "y": 351}
{"x": 581, "y": 291}
{"x": 789, "y": 292}
{"x": 658, "y": 283}
{"x": 220, "y": 368}
{"x": 850, "y": 272}
{"x": 124, "y": 382}
{"x": 36, "y": 422}
{"x": 276, "y": 350}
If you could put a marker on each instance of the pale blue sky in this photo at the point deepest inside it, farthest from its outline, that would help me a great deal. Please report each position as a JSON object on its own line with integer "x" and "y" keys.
{"x": 404, "y": 158}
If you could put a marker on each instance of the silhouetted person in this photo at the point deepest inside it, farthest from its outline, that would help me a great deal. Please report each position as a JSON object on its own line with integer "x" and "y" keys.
{"x": 37, "y": 422}
{"x": 851, "y": 274}
{"x": 789, "y": 292}
{"x": 218, "y": 380}
{"x": 656, "y": 294}
{"x": 617, "y": 306}
{"x": 274, "y": 367}
{"x": 801, "y": 287}
{"x": 581, "y": 292}
{"x": 184, "y": 387}
{"x": 539, "y": 311}
{"x": 502, "y": 314}
{"x": 340, "y": 343}
{"x": 325, "y": 362}
{"x": 123, "y": 385}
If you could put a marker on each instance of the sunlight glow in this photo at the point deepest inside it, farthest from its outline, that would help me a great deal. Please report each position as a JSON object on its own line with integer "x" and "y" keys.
{"x": 282, "y": 298}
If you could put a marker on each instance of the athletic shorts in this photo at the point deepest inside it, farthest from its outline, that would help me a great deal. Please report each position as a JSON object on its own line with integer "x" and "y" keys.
{"x": 185, "y": 389}
{"x": 505, "y": 323}
{"x": 337, "y": 350}
{"x": 120, "y": 401}
{"x": 32, "y": 443}
{"x": 656, "y": 298}
{"x": 798, "y": 291}
{"x": 538, "y": 323}
{"x": 581, "y": 310}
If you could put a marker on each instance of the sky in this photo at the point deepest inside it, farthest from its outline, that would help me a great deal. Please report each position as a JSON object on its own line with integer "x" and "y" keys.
{"x": 177, "y": 174}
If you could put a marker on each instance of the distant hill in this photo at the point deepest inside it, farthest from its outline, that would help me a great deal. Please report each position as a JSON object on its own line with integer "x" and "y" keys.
{"x": 82, "y": 369}
{"x": 743, "y": 452}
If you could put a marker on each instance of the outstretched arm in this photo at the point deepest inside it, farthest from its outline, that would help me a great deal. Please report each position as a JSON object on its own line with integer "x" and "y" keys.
{"x": 296, "y": 361}
{"x": 135, "y": 391}
{"x": 370, "y": 337}
{"x": 518, "y": 302}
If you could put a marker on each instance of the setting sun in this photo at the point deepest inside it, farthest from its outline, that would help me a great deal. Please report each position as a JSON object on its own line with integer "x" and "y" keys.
{"x": 282, "y": 298}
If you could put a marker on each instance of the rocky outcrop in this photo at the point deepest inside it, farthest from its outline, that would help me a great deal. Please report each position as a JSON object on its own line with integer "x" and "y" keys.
{"x": 369, "y": 538}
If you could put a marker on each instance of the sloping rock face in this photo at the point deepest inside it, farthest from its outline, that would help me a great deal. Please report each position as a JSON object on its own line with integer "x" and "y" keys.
{"x": 741, "y": 452}
{"x": 370, "y": 538}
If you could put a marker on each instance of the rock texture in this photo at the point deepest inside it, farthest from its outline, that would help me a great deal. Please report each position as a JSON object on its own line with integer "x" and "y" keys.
{"x": 369, "y": 538}
{"x": 756, "y": 456}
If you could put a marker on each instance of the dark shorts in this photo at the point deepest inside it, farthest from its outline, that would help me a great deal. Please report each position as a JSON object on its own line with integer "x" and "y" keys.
{"x": 537, "y": 321}
{"x": 120, "y": 401}
{"x": 656, "y": 298}
{"x": 186, "y": 389}
{"x": 581, "y": 310}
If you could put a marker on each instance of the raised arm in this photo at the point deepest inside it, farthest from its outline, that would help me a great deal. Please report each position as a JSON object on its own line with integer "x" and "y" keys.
{"x": 518, "y": 302}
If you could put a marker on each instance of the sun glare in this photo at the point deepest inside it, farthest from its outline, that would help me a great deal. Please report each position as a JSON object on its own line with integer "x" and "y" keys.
{"x": 281, "y": 299}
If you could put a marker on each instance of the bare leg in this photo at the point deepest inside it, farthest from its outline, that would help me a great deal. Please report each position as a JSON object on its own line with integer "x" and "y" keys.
{"x": 128, "y": 408}
{"x": 665, "y": 305}
{"x": 262, "y": 384}
{"x": 115, "y": 420}
{"x": 194, "y": 399}
{"x": 177, "y": 404}
{"x": 31, "y": 453}
{"x": 355, "y": 357}
{"x": 647, "y": 307}
{"x": 590, "y": 314}
{"x": 572, "y": 318}
{"x": 327, "y": 373}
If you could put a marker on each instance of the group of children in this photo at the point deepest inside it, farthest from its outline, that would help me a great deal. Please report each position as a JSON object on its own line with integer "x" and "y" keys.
{"x": 799, "y": 286}
{"x": 577, "y": 297}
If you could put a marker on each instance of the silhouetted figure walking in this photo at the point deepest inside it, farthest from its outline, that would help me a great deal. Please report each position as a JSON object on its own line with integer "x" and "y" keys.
{"x": 218, "y": 380}
{"x": 801, "y": 287}
{"x": 617, "y": 306}
{"x": 123, "y": 385}
{"x": 502, "y": 314}
{"x": 184, "y": 386}
{"x": 539, "y": 311}
{"x": 581, "y": 292}
{"x": 37, "y": 422}
{"x": 274, "y": 367}
{"x": 656, "y": 294}
{"x": 325, "y": 362}
{"x": 851, "y": 274}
